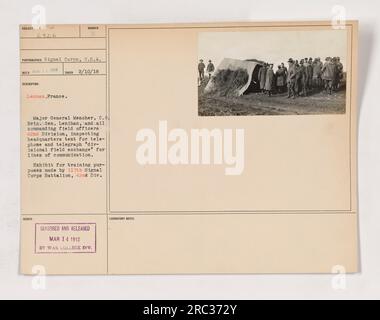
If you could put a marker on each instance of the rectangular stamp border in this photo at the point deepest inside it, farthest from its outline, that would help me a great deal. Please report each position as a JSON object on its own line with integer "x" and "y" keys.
{"x": 61, "y": 223}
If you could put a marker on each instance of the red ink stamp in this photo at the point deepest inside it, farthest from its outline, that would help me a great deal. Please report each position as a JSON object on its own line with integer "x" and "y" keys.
{"x": 65, "y": 238}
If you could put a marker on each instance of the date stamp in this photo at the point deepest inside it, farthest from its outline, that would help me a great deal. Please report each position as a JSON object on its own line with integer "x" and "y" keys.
{"x": 56, "y": 238}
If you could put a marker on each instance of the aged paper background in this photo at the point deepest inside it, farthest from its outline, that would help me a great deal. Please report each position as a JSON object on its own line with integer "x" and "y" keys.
{"x": 297, "y": 215}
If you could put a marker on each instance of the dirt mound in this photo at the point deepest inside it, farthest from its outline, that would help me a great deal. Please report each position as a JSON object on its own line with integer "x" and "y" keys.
{"x": 227, "y": 82}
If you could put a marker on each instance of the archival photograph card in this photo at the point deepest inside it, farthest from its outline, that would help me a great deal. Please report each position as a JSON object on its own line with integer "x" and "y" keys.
{"x": 214, "y": 148}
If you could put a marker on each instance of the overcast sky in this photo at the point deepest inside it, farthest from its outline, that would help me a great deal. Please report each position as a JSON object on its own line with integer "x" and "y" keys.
{"x": 273, "y": 46}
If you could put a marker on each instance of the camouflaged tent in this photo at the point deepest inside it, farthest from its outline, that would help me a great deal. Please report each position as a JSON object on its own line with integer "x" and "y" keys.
{"x": 235, "y": 77}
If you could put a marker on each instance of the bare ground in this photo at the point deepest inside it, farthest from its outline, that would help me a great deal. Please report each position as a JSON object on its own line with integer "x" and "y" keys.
{"x": 278, "y": 104}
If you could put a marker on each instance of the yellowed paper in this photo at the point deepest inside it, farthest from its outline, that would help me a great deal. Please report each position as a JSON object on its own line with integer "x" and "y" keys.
{"x": 139, "y": 158}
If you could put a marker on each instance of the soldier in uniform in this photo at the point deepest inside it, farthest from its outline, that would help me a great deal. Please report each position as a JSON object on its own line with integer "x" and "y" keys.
{"x": 262, "y": 75}
{"x": 302, "y": 76}
{"x": 280, "y": 78}
{"x": 201, "y": 70}
{"x": 317, "y": 72}
{"x": 309, "y": 72}
{"x": 297, "y": 86}
{"x": 269, "y": 80}
{"x": 328, "y": 74}
{"x": 339, "y": 71}
{"x": 284, "y": 68}
{"x": 291, "y": 79}
{"x": 210, "y": 68}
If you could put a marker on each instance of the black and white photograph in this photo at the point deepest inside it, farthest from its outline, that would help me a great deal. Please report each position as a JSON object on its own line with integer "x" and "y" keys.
{"x": 272, "y": 72}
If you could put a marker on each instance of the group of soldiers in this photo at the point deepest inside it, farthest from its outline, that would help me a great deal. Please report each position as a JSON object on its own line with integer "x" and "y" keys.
{"x": 301, "y": 77}
{"x": 201, "y": 70}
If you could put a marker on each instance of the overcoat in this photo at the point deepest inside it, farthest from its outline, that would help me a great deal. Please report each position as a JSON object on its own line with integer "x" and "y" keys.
{"x": 280, "y": 77}
{"x": 269, "y": 79}
{"x": 328, "y": 71}
{"x": 262, "y": 75}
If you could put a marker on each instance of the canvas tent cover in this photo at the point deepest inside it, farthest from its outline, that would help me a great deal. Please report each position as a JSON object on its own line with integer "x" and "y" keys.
{"x": 251, "y": 66}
